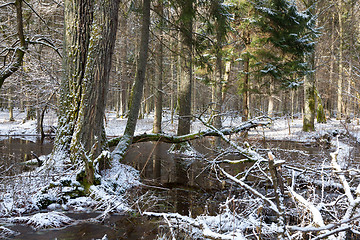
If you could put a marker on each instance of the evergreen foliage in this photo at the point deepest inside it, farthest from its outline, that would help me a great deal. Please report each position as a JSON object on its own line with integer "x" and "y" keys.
{"x": 286, "y": 36}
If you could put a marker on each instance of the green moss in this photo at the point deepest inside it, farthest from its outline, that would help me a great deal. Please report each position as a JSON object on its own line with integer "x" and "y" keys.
{"x": 66, "y": 182}
{"x": 320, "y": 116}
{"x": 82, "y": 179}
{"x": 45, "y": 201}
{"x": 312, "y": 105}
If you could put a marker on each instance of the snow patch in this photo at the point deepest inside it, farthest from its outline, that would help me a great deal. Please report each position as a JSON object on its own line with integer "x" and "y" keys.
{"x": 45, "y": 220}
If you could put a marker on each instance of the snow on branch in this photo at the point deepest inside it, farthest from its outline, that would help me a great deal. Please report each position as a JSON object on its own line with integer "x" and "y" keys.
{"x": 247, "y": 152}
{"x": 251, "y": 189}
{"x": 317, "y": 217}
{"x": 340, "y": 175}
{"x": 206, "y": 231}
{"x": 145, "y": 137}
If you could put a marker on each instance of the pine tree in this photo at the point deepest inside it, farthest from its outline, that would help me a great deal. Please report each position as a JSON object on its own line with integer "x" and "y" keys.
{"x": 286, "y": 37}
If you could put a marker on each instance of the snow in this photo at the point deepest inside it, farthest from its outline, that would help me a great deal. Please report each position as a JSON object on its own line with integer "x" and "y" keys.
{"x": 5, "y": 233}
{"x": 45, "y": 220}
{"x": 280, "y": 128}
{"x": 21, "y": 127}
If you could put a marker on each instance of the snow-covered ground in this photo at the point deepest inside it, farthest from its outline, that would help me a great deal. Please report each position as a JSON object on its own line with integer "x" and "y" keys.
{"x": 280, "y": 129}
{"x": 287, "y": 129}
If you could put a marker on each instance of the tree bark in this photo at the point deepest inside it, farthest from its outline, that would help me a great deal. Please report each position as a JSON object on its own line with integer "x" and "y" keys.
{"x": 271, "y": 99}
{"x": 90, "y": 31}
{"x": 309, "y": 96}
{"x": 246, "y": 96}
{"x": 10, "y": 105}
{"x": 185, "y": 86}
{"x": 159, "y": 78}
{"x": 218, "y": 84}
{"x": 340, "y": 79}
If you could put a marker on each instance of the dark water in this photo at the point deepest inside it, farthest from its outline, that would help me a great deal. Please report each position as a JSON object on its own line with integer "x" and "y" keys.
{"x": 116, "y": 227}
{"x": 174, "y": 184}
{"x": 186, "y": 185}
{"x": 14, "y": 151}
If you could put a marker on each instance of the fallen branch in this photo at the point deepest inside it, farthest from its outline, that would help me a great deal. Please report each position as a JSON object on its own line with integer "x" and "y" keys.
{"x": 161, "y": 137}
{"x": 206, "y": 231}
{"x": 270, "y": 203}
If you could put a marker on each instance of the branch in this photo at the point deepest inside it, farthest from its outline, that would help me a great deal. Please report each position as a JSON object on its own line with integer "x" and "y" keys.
{"x": 206, "y": 231}
{"x": 46, "y": 43}
{"x": 340, "y": 175}
{"x": 247, "y": 152}
{"x": 252, "y": 190}
{"x": 331, "y": 233}
{"x": 7, "y": 4}
{"x": 146, "y": 137}
{"x": 38, "y": 15}
{"x": 325, "y": 227}
{"x": 316, "y": 215}
{"x": 20, "y": 51}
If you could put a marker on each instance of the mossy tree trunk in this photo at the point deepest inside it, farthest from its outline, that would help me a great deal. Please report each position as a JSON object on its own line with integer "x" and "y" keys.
{"x": 138, "y": 87}
{"x": 185, "y": 87}
{"x": 310, "y": 81}
{"x": 320, "y": 113}
{"x": 309, "y": 96}
{"x": 90, "y": 31}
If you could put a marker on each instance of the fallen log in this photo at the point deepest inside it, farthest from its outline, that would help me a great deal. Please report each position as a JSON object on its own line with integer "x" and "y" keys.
{"x": 161, "y": 137}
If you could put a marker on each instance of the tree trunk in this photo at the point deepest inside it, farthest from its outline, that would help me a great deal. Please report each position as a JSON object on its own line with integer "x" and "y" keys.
{"x": 90, "y": 31}
{"x": 172, "y": 89}
{"x": 332, "y": 54}
{"x": 309, "y": 96}
{"x": 17, "y": 60}
{"x": 246, "y": 89}
{"x": 124, "y": 81}
{"x": 184, "y": 92}
{"x": 137, "y": 93}
{"x": 218, "y": 86}
{"x": 271, "y": 99}
{"x": 10, "y": 106}
{"x": 340, "y": 79}
{"x": 159, "y": 78}
{"x": 159, "y": 137}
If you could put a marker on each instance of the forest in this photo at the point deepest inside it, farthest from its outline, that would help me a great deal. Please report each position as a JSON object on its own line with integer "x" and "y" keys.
{"x": 244, "y": 113}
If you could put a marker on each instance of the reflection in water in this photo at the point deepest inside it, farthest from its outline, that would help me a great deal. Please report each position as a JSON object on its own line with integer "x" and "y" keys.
{"x": 190, "y": 186}
{"x": 182, "y": 178}
{"x": 116, "y": 227}
{"x": 14, "y": 151}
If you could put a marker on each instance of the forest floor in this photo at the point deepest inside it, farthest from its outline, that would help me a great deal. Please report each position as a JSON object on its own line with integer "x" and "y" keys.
{"x": 280, "y": 129}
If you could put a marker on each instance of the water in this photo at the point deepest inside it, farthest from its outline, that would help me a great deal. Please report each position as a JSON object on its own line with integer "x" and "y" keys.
{"x": 184, "y": 184}
{"x": 174, "y": 184}
{"x": 116, "y": 227}
{"x": 14, "y": 151}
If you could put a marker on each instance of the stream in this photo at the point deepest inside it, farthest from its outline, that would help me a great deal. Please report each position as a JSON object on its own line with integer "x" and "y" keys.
{"x": 173, "y": 183}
